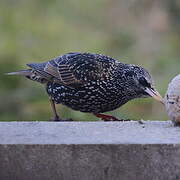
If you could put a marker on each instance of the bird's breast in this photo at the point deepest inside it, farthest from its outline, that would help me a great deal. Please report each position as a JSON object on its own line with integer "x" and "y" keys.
{"x": 93, "y": 97}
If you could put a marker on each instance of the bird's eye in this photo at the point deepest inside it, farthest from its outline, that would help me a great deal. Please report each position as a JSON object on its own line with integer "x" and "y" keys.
{"x": 144, "y": 82}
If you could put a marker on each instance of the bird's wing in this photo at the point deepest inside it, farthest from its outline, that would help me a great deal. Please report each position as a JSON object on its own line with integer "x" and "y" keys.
{"x": 78, "y": 68}
{"x": 62, "y": 73}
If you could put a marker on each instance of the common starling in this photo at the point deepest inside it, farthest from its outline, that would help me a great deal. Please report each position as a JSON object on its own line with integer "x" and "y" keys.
{"x": 172, "y": 100}
{"x": 91, "y": 83}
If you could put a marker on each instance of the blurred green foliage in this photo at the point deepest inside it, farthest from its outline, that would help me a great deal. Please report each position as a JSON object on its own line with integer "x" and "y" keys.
{"x": 139, "y": 32}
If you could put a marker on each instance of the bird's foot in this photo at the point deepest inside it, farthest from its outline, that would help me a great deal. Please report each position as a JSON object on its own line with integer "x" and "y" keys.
{"x": 105, "y": 117}
{"x": 57, "y": 119}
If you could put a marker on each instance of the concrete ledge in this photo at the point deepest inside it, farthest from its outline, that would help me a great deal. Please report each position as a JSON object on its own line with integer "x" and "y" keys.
{"x": 89, "y": 151}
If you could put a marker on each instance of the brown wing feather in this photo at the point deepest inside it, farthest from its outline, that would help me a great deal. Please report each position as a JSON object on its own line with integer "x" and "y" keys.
{"x": 50, "y": 69}
{"x": 61, "y": 74}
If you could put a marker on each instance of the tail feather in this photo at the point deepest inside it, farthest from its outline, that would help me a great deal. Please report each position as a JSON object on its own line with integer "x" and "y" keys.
{"x": 35, "y": 74}
{"x": 32, "y": 75}
{"x": 27, "y": 72}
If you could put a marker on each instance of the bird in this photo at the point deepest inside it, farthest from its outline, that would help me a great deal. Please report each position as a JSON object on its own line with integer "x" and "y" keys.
{"x": 172, "y": 100}
{"x": 90, "y": 83}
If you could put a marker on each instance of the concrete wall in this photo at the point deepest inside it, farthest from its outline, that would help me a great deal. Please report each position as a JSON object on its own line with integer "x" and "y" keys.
{"x": 89, "y": 151}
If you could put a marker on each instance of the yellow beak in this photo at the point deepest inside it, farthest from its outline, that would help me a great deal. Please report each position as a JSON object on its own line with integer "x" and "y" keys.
{"x": 155, "y": 94}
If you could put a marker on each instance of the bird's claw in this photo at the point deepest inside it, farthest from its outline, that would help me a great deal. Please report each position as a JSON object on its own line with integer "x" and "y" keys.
{"x": 111, "y": 118}
{"x": 105, "y": 117}
{"x": 114, "y": 119}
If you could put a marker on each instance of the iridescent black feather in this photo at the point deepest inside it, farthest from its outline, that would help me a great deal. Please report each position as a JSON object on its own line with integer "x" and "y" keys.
{"x": 90, "y": 82}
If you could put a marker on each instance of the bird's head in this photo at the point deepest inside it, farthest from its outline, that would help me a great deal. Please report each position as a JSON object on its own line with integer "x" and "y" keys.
{"x": 143, "y": 83}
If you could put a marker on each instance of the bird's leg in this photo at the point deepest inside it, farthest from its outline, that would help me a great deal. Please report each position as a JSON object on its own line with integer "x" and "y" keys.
{"x": 56, "y": 117}
{"x": 105, "y": 117}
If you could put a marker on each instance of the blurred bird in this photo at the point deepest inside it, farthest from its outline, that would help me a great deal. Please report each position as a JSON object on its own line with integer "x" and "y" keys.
{"x": 91, "y": 83}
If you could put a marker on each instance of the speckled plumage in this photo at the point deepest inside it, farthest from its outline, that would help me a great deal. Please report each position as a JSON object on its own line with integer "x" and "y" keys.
{"x": 91, "y": 83}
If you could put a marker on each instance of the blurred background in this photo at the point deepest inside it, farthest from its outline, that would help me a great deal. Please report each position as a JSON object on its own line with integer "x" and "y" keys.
{"x": 143, "y": 32}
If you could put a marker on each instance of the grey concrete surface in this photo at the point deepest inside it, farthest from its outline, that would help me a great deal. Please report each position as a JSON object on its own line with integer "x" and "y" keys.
{"x": 89, "y": 151}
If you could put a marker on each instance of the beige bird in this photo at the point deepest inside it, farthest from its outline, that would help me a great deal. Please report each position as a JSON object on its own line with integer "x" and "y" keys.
{"x": 172, "y": 100}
